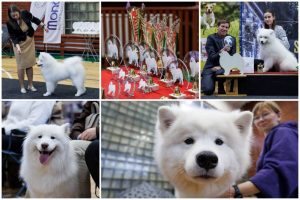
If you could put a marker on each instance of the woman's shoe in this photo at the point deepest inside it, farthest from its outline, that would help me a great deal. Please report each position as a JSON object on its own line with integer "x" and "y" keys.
{"x": 32, "y": 88}
{"x": 23, "y": 91}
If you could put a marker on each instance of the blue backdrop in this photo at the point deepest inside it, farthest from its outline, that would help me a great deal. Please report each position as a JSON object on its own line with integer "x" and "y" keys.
{"x": 252, "y": 19}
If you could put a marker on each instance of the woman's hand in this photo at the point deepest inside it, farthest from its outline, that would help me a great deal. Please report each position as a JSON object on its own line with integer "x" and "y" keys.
{"x": 88, "y": 134}
{"x": 18, "y": 49}
{"x": 44, "y": 27}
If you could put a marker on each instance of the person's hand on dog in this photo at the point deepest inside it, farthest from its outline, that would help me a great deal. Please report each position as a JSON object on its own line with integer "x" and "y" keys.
{"x": 88, "y": 134}
{"x": 18, "y": 49}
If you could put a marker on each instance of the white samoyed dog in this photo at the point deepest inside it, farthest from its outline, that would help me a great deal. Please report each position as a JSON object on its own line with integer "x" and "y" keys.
{"x": 49, "y": 165}
{"x": 273, "y": 52}
{"x": 202, "y": 152}
{"x": 54, "y": 71}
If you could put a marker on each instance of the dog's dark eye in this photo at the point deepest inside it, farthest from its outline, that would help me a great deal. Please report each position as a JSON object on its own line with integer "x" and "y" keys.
{"x": 40, "y": 136}
{"x": 218, "y": 141}
{"x": 189, "y": 141}
{"x": 52, "y": 137}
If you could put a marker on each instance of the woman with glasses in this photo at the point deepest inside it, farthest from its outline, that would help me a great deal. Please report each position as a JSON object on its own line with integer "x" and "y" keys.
{"x": 21, "y": 34}
{"x": 277, "y": 167}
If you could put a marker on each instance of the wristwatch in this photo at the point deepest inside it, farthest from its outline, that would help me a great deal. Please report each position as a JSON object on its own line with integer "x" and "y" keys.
{"x": 237, "y": 192}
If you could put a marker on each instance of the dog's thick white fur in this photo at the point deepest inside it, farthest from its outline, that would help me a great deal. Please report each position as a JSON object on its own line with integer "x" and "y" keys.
{"x": 202, "y": 152}
{"x": 112, "y": 50}
{"x": 195, "y": 67}
{"x": 273, "y": 52}
{"x": 151, "y": 63}
{"x": 49, "y": 165}
{"x": 176, "y": 73}
{"x": 54, "y": 71}
{"x": 132, "y": 56}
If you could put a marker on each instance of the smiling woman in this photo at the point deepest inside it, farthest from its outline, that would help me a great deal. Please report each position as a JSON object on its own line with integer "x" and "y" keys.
{"x": 21, "y": 33}
{"x": 277, "y": 167}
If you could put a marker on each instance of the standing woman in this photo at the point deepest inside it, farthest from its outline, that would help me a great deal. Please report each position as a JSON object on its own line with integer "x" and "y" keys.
{"x": 270, "y": 23}
{"x": 277, "y": 166}
{"x": 21, "y": 33}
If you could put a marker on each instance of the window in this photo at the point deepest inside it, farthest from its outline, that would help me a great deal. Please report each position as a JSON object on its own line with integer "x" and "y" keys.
{"x": 80, "y": 11}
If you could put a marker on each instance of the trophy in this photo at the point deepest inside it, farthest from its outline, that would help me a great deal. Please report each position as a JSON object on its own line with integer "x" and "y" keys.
{"x": 152, "y": 86}
{"x": 195, "y": 89}
{"x": 228, "y": 41}
{"x": 177, "y": 93}
{"x": 113, "y": 53}
{"x": 260, "y": 67}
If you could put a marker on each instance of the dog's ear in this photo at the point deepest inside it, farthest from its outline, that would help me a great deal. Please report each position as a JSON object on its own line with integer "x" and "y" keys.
{"x": 244, "y": 122}
{"x": 272, "y": 33}
{"x": 166, "y": 117}
{"x": 29, "y": 128}
{"x": 66, "y": 128}
{"x": 213, "y": 4}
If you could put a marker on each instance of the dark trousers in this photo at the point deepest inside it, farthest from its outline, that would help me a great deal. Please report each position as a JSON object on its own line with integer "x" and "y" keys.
{"x": 208, "y": 79}
{"x": 92, "y": 160}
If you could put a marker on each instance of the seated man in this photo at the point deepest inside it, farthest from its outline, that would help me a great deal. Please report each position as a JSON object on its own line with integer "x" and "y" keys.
{"x": 214, "y": 46}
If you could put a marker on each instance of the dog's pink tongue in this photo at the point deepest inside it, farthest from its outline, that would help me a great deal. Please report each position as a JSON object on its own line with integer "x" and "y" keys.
{"x": 44, "y": 158}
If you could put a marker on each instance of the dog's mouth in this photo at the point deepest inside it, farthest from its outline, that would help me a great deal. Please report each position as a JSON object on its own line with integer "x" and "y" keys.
{"x": 45, "y": 156}
{"x": 39, "y": 65}
{"x": 205, "y": 177}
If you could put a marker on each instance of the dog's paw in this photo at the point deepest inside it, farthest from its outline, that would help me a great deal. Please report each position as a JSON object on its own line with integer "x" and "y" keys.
{"x": 79, "y": 93}
{"x": 46, "y": 94}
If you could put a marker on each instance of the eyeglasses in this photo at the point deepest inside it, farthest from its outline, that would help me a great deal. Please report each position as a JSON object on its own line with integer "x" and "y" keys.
{"x": 263, "y": 116}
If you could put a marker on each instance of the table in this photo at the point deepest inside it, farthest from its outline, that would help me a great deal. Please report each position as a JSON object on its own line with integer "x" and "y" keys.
{"x": 230, "y": 79}
{"x": 89, "y": 47}
{"x": 163, "y": 91}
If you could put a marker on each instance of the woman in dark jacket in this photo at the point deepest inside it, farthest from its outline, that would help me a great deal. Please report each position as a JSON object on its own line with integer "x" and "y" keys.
{"x": 21, "y": 33}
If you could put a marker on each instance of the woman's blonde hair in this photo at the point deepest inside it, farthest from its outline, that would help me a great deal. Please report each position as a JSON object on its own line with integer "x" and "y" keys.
{"x": 266, "y": 104}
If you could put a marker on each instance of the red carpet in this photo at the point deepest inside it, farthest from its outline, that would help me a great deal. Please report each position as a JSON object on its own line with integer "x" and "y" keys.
{"x": 163, "y": 91}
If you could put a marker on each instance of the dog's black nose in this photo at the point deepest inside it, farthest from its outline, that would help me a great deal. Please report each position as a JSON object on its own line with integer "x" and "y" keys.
{"x": 45, "y": 146}
{"x": 207, "y": 160}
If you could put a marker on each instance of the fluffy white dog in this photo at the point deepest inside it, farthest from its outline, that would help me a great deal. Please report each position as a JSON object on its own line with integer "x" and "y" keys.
{"x": 49, "y": 165}
{"x": 112, "y": 50}
{"x": 176, "y": 73}
{"x": 127, "y": 87}
{"x": 202, "y": 152}
{"x": 121, "y": 74}
{"x": 142, "y": 84}
{"x": 132, "y": 56}
{"x": 54, "y": 71}
{"x": 273, "y": 52}
{"x": 195, "y": 67}
{"x": 111, "y": 89}
{"x": 151, "y": 63}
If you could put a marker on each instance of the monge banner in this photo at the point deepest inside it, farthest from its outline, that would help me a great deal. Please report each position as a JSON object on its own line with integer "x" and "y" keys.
{"x": 37, "y": 9}
{"x": 55, "y": 21}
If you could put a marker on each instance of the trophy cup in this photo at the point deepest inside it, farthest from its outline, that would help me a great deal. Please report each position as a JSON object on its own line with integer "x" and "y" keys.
{"x": 152, "y": 86}
{"x": 113, "y": 53}
{"x": 177, "y": 94}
